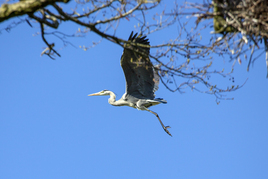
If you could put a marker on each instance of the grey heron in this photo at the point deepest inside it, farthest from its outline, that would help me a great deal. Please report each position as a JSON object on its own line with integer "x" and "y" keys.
{"x": 142, "y": 78}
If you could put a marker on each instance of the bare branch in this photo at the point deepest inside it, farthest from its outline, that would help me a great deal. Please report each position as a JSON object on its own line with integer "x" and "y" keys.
{"x": 54, "y": 24}
{"x": 50, "y": 46}
{"x": 118, "y": 17}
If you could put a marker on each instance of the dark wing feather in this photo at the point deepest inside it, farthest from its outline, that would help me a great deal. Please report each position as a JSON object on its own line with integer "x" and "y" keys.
{"x": 138, "y": 69}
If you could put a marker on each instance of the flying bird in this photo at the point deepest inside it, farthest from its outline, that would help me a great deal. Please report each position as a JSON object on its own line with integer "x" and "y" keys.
{"x": 141, "y": 76}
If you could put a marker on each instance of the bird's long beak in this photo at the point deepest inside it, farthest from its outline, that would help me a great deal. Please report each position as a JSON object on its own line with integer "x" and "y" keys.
{"x": 94, "y": 94}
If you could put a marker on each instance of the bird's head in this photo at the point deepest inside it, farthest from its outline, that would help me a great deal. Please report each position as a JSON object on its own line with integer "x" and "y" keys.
{"x": 101, "y": 93}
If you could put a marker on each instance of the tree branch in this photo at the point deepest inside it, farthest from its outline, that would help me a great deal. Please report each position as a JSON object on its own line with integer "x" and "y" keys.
{"x": 50, "y": 46}
{"x": 8, "y": 11}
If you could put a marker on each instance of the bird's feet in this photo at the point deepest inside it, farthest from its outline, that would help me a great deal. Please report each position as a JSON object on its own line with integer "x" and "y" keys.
{"x": 165, "y": 128}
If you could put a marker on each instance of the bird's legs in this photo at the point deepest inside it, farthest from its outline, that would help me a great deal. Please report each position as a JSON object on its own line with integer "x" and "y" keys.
{"x": 164, "y": 127}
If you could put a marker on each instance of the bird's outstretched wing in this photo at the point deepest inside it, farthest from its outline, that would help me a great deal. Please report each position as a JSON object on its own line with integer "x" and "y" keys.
{"x": 141, "y": 79}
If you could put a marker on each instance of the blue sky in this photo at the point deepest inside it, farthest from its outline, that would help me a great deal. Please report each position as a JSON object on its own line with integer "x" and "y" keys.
{"x": 50, "y": 128}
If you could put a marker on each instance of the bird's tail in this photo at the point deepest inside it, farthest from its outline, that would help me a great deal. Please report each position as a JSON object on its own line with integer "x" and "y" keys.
{"x": 161, "y": 100}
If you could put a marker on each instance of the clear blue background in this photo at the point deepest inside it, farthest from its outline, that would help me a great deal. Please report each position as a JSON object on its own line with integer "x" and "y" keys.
{"x": 50, "y": 128}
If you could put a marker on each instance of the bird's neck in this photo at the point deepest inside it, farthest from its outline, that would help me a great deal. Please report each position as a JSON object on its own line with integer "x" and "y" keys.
{"x": 112, "y": 100}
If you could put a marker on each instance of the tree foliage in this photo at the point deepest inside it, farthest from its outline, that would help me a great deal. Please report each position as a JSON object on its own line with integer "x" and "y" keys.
{"x": 243, "y": 25}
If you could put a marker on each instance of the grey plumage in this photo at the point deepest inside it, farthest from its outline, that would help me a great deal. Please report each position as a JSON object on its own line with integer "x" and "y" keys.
{"x": 142, "y": 79}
